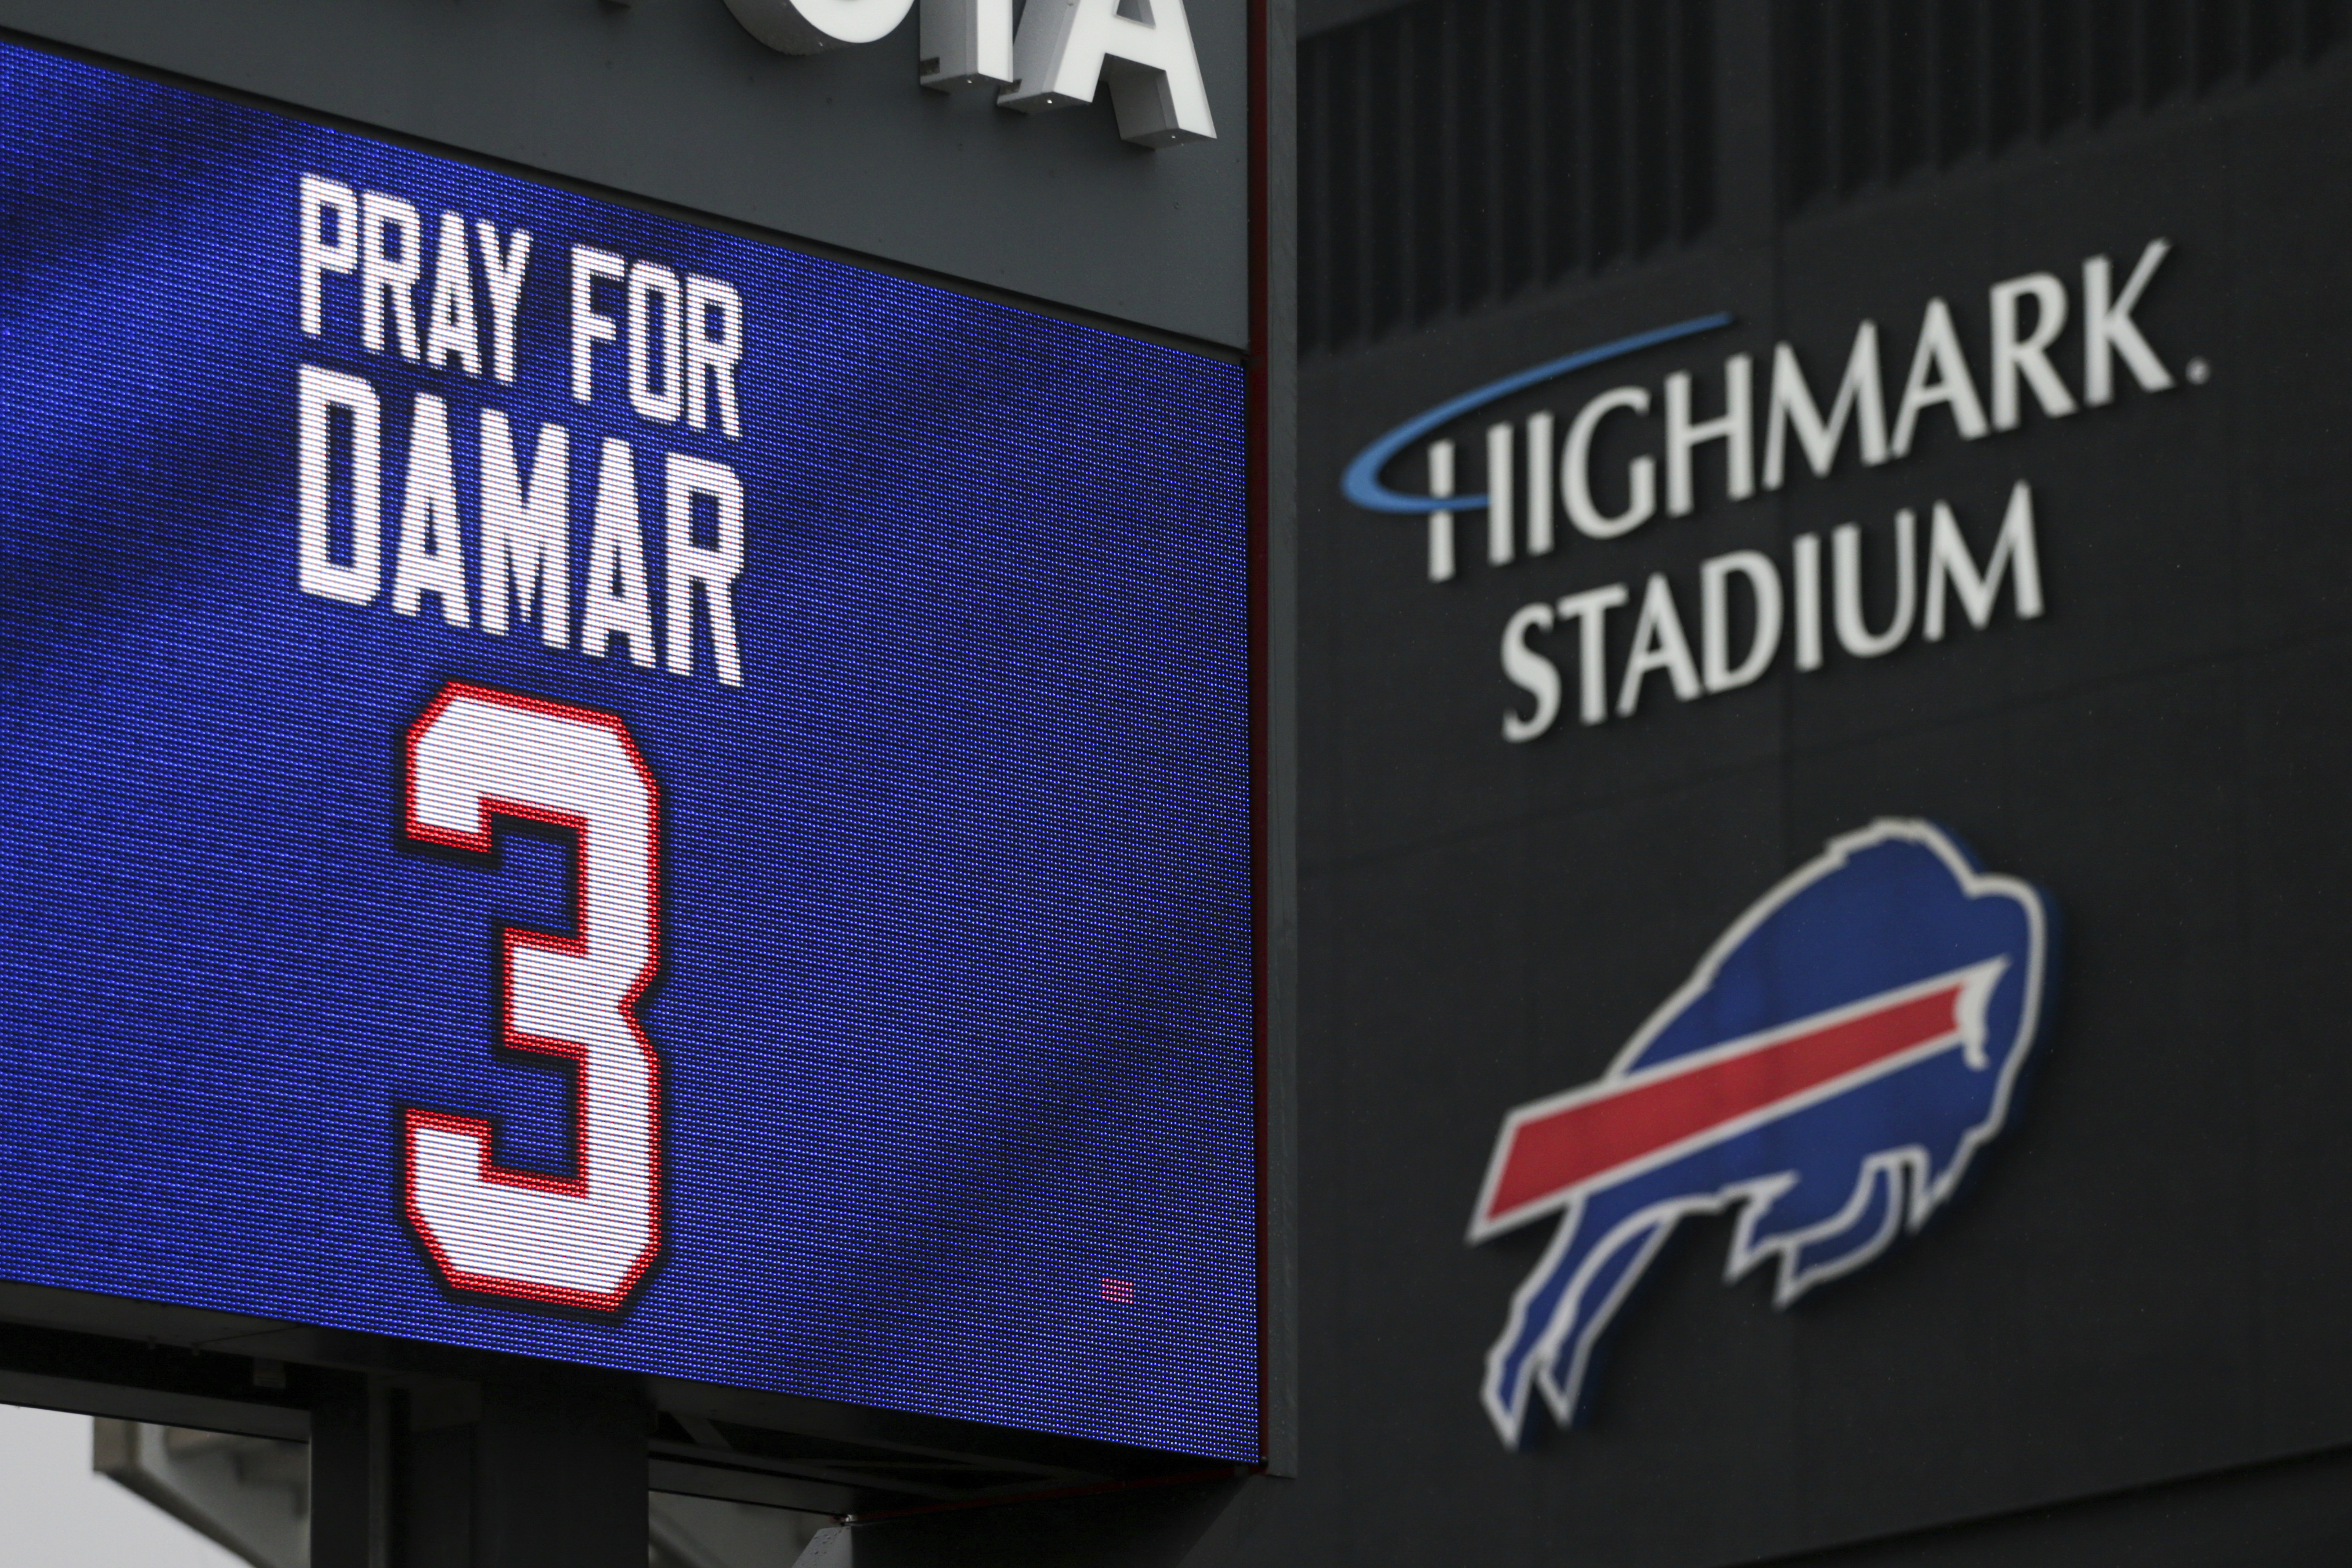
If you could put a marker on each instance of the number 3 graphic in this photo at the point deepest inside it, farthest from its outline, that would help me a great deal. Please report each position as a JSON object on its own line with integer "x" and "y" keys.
{"x": 584, "y": 1240}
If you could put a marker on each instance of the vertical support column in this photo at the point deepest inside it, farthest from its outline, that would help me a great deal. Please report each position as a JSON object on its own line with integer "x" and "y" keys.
{"x": 560, "y": 1474}
{"x": 433, "y": 1430}
{"x": 543, "y": 1471}
{"x": 350, "y": 1490}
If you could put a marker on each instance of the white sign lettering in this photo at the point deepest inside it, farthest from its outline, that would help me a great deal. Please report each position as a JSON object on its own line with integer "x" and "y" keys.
{"x": 1060, "y": 55}
{"x": 1919, "y": 570}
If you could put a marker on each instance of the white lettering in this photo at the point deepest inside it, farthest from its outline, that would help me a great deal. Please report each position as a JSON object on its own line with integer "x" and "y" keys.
{"x": 612, "y": 601}
{"x": 711, "y": 357}
{"x": 1576, "y": 469}
{"x": 1859, "y": 398}
{"x": 388, "y": 281}
{"x": 1732, "y": 428}
{"x": 320, "y": 255}
{"x": 656, "y": 355}
{"x": 1531, "y": 672}
{"x": 1064, "y": 48}
{"x": 1539, "y": 475}
{"x": 2013, "y": 356}
{"x": 1738, "y": 644}
{"x": 1854, "y": 630}
{"x": 713, "y": 568}
{"x": 450, "y": 330}
{"x": 2109, "y": 329}
{"x": 1440, "y": 523}
{"x": 318, "y": 393}
{"x": 811, "y": 26}
{"x": 1715, "y": 618}
{"x": 1658, "y": 644}
{"x": 1939, "y": 354}
{"x": 1805, "y": 571}
{"x": 526, "y": 531}
{"x": 1589, "y": 610}
{"x": 431, "y": 557}
{"x": 963, "y": 43}
{"x": 1500, "y": 526}
{"x": 503, "y": 273}
{"x": 1948, "y": 561}
{"x": 589, "y": 326}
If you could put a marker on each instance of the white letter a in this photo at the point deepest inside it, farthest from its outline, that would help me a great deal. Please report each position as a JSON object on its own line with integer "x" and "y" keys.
{"x": 1064, "y": 48}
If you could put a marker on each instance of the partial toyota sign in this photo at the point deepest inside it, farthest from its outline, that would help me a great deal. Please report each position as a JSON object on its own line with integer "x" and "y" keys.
{"x": 1062, "y": 53}
{"x": 590, "y": 787}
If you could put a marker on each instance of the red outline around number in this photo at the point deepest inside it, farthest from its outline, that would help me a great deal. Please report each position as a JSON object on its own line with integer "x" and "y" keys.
{"x": 483, "y": 841}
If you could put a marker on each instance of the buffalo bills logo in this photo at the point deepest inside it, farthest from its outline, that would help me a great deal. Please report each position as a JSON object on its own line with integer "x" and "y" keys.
{"x": 1829, "y": 1070}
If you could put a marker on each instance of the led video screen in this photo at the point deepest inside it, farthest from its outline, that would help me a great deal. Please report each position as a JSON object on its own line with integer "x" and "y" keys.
{"x": 594, "y": 787}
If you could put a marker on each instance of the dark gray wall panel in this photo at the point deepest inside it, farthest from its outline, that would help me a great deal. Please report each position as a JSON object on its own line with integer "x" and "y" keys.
{"x": 2144, "y": 1279}
{"x": 672, "y": 100}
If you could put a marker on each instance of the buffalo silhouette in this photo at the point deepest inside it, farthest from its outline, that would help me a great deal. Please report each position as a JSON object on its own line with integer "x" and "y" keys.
{"x": 1829, "y": 1070}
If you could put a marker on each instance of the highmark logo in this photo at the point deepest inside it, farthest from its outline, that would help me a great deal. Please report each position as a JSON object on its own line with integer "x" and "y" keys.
{"x": 1539, "y": 473}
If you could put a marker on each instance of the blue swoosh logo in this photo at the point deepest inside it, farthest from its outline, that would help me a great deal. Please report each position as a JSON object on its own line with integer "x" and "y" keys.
{"x": 1361, "y": 483}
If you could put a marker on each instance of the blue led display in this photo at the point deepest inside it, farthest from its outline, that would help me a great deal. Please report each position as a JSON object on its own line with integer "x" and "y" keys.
{"x": 586, "y": 786}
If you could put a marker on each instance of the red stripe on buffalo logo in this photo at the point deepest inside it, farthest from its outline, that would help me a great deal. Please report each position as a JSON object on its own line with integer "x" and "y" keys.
{"x": 1614, "y": 1124}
